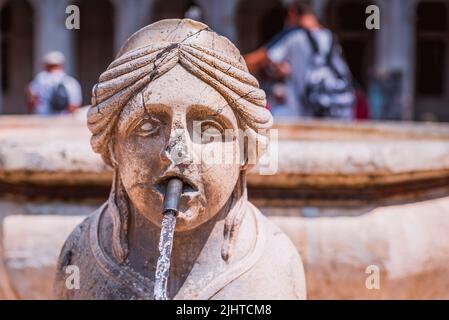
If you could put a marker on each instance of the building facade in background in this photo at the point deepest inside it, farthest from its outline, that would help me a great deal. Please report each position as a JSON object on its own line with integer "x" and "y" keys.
{"x": 403, "y": 66}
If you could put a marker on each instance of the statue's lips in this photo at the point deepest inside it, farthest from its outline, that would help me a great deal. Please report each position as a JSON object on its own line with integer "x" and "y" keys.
{"x": 189, "y": 187}
{"x": 192, "y": 193}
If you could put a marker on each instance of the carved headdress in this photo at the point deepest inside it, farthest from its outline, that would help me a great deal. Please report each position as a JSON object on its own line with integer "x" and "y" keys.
{"x": 149, "y": 54}
{"x": 156, "y": 49}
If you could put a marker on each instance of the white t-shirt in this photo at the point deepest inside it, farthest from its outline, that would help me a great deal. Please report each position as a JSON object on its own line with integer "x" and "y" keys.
{"x": 294, "y": 47}
{"x": 45, "y": 82}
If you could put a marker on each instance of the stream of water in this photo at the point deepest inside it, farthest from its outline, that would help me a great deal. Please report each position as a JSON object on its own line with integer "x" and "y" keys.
{"x": 165, "y": 250}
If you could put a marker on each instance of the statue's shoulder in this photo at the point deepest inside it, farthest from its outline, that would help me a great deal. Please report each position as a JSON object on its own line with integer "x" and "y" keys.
{"x": 75, "y": 242}
{"x": 282, "y": 257}
{"x": 75, "y": 252}
{"x": 276, "y": 270}
{"x": 272, "y": 236}
{"x": 278, "y": 243}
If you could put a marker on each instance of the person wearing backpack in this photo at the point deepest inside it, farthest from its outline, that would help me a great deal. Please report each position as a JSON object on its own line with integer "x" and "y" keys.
{"x": 52, "y": 91}
{"x": 318, "y": 82}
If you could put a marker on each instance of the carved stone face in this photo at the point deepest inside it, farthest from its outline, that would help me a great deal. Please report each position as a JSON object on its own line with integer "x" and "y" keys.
{"x": 156, "y": 141}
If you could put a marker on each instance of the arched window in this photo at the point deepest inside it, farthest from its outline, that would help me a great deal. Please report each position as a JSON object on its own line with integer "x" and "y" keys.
{"x": 16, "y": 54}
{"x": 346, "y": 18}
{"x": 257, "y": 22}
{"x": 431, "y": 49}
{"x": 432, "y": 60}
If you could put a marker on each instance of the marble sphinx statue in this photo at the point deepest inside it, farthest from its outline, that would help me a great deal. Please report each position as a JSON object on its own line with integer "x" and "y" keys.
{"x": 167, "y": 77}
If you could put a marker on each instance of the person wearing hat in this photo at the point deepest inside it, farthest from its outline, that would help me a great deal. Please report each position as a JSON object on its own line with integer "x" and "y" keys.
{"x": 52, "y": 91}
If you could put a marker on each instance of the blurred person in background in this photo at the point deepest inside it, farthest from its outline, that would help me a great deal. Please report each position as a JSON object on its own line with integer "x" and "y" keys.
{"x": 52, "y": 91}
{"x": 307, "y": 56}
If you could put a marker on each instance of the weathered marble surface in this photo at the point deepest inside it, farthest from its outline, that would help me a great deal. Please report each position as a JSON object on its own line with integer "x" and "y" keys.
{"x": 48, "y": 150}
{"x": 408, "y": 243}
{"x": 31, "y": 246}
{"x": 170, "y": 81}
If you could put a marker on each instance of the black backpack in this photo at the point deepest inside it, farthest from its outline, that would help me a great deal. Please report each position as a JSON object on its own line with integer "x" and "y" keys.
{"x": 59, "y": 99}
{"x": 327, "y": 91}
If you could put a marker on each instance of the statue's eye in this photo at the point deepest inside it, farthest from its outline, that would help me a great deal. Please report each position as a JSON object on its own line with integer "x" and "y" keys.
{"x": 211, "y": 131}
{"x": 148, "y": 127}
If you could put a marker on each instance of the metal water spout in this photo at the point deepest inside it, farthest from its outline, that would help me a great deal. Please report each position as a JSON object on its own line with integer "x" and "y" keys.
{"x": 171, "y": 205}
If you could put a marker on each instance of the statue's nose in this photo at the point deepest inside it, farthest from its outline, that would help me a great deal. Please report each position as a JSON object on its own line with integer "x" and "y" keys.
{"x": 178, "y": 150}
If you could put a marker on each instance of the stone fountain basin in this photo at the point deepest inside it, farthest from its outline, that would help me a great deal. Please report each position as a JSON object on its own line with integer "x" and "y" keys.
{"x": 332, "y": 154}
{"x": 386, "y": 185}
{"x": 312, "y": 155}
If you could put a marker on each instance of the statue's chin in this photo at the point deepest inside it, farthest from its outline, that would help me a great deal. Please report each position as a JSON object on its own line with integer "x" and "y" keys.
{"x": 191, "y": 214}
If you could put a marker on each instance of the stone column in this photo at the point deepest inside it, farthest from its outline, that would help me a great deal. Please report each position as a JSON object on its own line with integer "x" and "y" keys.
{"x": 50, "y": 32}
{"x": 396, "y": 47}
{"x": 130, "y": 16}
{"x": 408, "y": 55}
